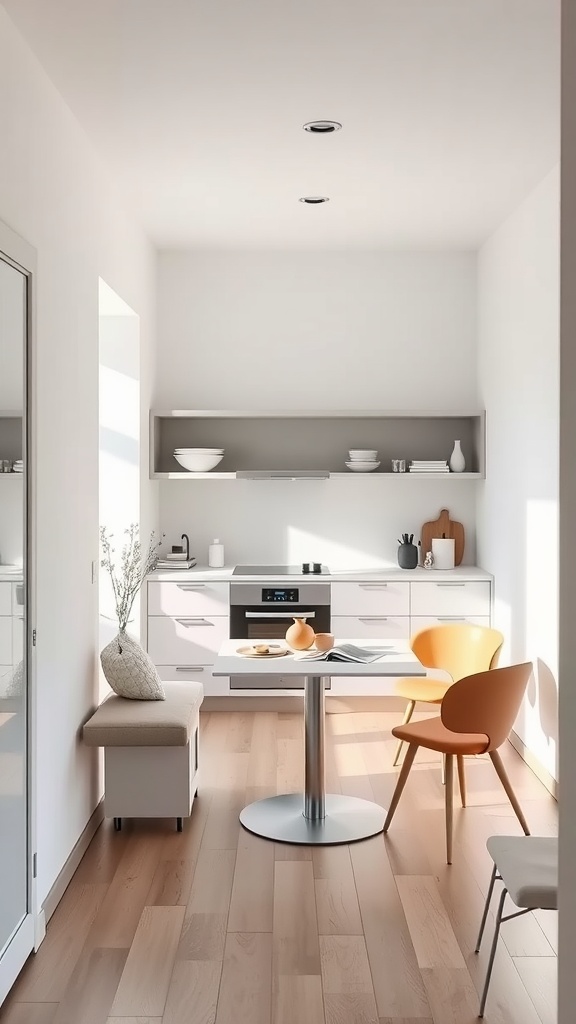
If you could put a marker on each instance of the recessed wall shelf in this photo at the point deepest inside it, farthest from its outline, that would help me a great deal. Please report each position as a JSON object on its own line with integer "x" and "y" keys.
{"x": 281, "y": 443}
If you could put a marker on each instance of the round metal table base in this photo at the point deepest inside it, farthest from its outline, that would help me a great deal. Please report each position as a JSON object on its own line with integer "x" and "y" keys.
{"x": 282, "y": 818}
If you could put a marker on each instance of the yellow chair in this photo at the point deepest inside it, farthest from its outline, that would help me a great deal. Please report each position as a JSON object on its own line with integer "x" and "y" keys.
{"x": 460, "y": 649}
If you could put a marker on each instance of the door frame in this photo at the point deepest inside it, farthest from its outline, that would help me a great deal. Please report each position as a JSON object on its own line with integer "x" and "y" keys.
{"x": 16, "y": 251}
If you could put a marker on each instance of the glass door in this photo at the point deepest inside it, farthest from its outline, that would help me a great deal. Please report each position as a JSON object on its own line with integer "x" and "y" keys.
{"x": 16, "y": 931}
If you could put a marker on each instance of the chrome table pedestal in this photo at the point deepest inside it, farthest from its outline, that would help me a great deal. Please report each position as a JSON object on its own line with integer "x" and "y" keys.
{"x": 314, "y": 817}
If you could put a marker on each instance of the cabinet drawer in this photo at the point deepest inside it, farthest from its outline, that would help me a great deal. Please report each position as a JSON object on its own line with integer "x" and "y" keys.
{"x": 370, "y": 598}
{"x": 419, "y": 622}
{"x": 450, "y": 598}
{"x": 188, "y": 598}
{"x": 187, "y": 640}
{"x": 5, "y": 640}
{"x": 213, "y": 687}
{"x": 5, "y": 599}
{"x": 370, "y": 627}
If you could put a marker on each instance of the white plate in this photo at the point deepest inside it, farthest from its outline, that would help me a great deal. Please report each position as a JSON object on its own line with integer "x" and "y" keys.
{"x": 274, "y": 651}
{"x": 362, "y": 467}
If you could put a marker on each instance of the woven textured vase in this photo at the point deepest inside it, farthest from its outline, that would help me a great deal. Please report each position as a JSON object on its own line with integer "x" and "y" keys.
{"x": 129, "y": 670}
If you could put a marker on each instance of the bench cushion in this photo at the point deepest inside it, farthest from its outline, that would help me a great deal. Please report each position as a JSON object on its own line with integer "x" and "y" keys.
{"x": 120, "y": 722}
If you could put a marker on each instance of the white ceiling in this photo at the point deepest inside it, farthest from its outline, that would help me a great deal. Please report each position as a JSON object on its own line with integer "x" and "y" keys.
{"x": 450, "y": 111}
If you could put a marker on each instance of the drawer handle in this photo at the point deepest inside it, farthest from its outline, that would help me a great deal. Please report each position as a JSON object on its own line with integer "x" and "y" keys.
{"x": 279, "y": 615}
{"x": 373, "y": 586}
{"x": 189, "y": 668}
{"x": 450, "y": 584}
{"x": 373, "y": 618}
{"x": 451, "y": 618}
{"x": 194, "y": 622}
{"x": 191, "y": 586}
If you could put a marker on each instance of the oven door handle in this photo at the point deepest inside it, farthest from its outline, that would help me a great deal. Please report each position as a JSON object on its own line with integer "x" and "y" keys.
{"x": 280, "y": 615}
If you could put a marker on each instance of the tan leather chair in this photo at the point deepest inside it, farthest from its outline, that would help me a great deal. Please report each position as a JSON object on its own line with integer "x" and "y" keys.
{"x": 476, "y": 717}
{"x": 460, "y": 649}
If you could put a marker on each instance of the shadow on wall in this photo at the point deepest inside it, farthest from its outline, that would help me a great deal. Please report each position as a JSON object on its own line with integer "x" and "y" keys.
{"x": 542, "y": 695}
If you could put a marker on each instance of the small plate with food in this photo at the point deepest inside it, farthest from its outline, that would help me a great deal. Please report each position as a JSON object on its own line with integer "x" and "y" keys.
{"x": 262, "y": 651}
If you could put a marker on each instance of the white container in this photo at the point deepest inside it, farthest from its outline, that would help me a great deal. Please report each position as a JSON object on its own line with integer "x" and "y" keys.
{"x": 216, "y": 554}
{"x": 457, "y": 461}
{"x": 443, "y": 552}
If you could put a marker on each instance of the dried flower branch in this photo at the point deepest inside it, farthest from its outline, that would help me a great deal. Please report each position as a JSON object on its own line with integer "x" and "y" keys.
{"x": 133, "y": 568}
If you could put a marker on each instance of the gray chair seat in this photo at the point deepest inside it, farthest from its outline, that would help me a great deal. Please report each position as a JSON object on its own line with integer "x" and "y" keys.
{"x": 528, "y": 866}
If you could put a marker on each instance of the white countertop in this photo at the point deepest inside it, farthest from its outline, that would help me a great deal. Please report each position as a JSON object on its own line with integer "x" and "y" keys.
{"x": 398, "y": 661}
{"x": 464, "y": 573}
{"x": 11, "y": 574}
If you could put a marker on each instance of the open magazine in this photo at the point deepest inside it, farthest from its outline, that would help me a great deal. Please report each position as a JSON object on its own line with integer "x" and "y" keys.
{"x": 347, "y": 652}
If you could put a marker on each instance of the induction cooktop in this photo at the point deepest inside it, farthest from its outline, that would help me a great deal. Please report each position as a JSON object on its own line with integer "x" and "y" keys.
{"x": 304, "y": 569}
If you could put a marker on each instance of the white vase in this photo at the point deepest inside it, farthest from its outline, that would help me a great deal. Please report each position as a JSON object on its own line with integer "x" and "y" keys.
{"x": 457, "y": 461}
{"x": 129, "y": 670}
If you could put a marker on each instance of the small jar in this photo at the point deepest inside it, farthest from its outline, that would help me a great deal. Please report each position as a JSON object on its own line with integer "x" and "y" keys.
{"x": 216, "y": 554}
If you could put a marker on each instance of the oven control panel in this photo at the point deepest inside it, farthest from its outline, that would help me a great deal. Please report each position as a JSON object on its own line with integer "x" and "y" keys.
{"x": 283, "y": 594}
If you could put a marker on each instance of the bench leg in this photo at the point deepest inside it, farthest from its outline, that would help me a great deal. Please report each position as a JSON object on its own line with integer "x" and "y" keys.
{"x": 117, "y": 824}
{"x": 179, "y": 824}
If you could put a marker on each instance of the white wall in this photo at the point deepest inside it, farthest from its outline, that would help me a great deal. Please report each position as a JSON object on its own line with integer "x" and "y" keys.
{"x": 55, "y": 193}
{"x": 322, "y": 330}
{"x": 518, "y": 363}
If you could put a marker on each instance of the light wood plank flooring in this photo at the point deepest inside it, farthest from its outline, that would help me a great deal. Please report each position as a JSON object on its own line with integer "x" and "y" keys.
{"x": 217, "y": 926}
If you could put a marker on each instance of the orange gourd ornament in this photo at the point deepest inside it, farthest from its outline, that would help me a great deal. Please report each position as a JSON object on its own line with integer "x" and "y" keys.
{"x": 300, "y": 636}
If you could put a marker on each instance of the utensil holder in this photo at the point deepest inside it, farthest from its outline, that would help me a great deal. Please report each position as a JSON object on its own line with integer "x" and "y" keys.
{"x": 407, "y": 556}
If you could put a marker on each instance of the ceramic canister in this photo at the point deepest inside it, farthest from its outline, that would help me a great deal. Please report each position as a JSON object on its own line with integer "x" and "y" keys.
{"x": 443, "y": 552}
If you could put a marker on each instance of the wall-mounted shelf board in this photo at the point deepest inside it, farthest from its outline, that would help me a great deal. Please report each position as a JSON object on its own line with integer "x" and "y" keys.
{"x": 283, "y": 441}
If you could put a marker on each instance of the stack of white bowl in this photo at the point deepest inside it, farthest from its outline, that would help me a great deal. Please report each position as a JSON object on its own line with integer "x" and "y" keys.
{"x": 199, "y": 460}
{"x": 363, "y": 460}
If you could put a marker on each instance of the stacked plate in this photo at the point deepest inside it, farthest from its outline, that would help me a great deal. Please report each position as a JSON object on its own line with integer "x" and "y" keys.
{"x": 199, "y": 460}
{"x": 363, "y": 460}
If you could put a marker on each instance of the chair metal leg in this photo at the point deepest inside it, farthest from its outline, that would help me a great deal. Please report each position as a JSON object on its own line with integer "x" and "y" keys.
{"x": 492, "y": 952}
{"x": 461, "y": 779}
{"x": 497, "y": 762}
{"x": 404, "y": 773}
{"x": 486, "y": 908}
{"x": 407, "y": 716}
{"x": 449, "y": 804}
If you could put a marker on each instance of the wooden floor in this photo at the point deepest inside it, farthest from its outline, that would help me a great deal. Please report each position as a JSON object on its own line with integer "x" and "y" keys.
{"x": 216, "y": 925}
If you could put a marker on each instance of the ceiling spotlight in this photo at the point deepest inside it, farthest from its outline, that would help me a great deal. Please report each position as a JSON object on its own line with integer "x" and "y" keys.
{"x": 314, "y": 199}
{"x": 322, "y": 127}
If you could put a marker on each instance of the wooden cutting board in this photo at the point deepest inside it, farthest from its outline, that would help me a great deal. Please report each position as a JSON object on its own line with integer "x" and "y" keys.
{"x": 443, "y": 527}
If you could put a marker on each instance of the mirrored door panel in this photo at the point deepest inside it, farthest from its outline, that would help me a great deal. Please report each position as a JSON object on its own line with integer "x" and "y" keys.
{"x": 14, "y": 846}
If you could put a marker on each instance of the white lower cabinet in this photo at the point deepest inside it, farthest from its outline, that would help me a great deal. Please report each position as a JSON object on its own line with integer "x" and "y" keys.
{"x": 467, "y": 597}
{"x": 185, "y": 634}
{"x": 426, "y": 621}
{"x": 375, "y": 627}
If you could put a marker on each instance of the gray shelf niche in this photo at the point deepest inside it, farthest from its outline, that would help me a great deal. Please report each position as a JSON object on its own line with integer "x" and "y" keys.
{"x": 270, "y": 443}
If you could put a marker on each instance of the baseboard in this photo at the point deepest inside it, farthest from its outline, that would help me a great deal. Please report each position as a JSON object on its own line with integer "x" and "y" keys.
{"x": 334, "y": 705}
{"x": 534, "y": 764}
{"x": 65, "y": 877}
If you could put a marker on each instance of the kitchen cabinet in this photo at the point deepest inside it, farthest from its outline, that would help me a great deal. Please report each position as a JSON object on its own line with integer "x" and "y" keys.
{"x": 11, "y": 631}
{"x": 278, "y": 443}
{"x": 187, "y": 622}
{"x": 188, "y": 617}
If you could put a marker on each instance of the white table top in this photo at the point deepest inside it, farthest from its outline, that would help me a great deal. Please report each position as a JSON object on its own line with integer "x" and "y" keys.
{"x": 397, "y": 660}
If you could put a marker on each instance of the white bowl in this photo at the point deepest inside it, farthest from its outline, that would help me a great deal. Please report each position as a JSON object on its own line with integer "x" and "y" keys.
{"x": 362, "y": 467}
{"x": 369, "y": 455}
{"x": 199, "y": 451}
{"x": 197, "y": 463}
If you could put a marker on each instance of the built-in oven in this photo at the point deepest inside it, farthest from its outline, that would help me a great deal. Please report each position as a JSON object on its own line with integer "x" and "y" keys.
{"x": 264, "y": 610}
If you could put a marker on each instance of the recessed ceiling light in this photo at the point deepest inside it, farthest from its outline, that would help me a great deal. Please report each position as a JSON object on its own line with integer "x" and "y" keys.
{"x": 322, "y": 127}
{"x": 314, "y": 199}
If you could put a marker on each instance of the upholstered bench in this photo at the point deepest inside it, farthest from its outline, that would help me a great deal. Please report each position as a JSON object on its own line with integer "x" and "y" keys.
{"x": 150, "y": 753}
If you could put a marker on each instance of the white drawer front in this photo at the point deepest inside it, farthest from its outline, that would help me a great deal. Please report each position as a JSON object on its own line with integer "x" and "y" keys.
{"x": 213, "y": 687}
{"x": 187, "y": 640}
{"x": 370, "y": 627}
{"x": 451, "y": 598}
{"x": 18, "y": 598}
{"x": 188, "y": 598}
{"x": 5, "y": 598}
{"x": 17, "y": 639}
{"x": 419, "y": 622}
{"x": 370, "y": 598}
